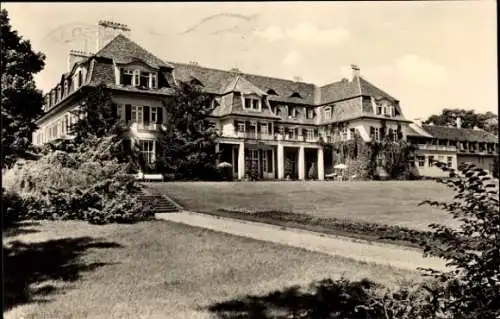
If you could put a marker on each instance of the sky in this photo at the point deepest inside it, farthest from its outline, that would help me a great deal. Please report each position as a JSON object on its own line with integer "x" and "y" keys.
{"x": 430, "y": 55}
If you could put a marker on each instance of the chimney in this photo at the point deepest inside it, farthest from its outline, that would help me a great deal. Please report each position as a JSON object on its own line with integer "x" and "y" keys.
{"x": 418, "y": 121}
{"x": 297, "y": 78}
{"x": 108, "y": 30}
{"x": 355, "y": 71}
{"x": 459, "y": 122}
{"x": 235, "y": 70}
{"x": 76, "y": 56}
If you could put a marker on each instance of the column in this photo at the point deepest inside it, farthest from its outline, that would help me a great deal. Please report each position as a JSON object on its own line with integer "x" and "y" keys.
{"x": 217, "y": 149}
{"x": 321, "y": 168}
{"x": 281, "y": 161}
{"x": 241, "y": 161}
{"x": 301, "y": 163}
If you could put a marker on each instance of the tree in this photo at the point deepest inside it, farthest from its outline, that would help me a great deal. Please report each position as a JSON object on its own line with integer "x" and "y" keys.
{"x": 187, "y": 142}
{"x": 471, "y": 289}
{"x": 487, "y": 121}
{"x": 21, "y": 100}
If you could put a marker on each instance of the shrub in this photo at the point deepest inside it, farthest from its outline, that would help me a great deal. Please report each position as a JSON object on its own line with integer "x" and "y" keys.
{"x": 12, "y": 208}
{"x": 83, "y": 185}
{"x": 471, "y": 289}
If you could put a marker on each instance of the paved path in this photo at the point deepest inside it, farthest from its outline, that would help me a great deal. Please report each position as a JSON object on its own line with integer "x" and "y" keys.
{"x": 393, "y": 255}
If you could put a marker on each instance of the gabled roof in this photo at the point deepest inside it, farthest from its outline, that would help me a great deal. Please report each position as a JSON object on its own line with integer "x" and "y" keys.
{"x": 460, "y": 134}
{"x": 369, "y": 89}
{"x": 346, "y": 89}
{"x": 239, "y": 84}
{"x": 123, "y": 50}
{"x": 340, "y": 90}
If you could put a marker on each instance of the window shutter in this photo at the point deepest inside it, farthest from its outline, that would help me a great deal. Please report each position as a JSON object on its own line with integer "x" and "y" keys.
{"x": 145, "y": 114}
{"x": 296, "y": 131}
{"x": 372, "y": 131}
{"x": 269, "y": 128}
{"x": 235, "y": 126}
{"x": 159, "y": 115}
{"x": 128, "y": 113}
{"x": 258, "y": 127}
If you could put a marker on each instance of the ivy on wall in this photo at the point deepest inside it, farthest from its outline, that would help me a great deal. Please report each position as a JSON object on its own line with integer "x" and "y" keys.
{"x": 394, "y": 157}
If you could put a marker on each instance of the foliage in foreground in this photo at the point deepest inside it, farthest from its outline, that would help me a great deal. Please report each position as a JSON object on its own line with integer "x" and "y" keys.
{"x": 469, "y": 290}
{"x": 472, "y": 288}
{"x": 85, "y": 185}
{"x": 21, "y": 100}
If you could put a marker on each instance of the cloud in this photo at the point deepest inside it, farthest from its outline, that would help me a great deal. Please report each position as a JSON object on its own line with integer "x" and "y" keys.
{"x": 421, "y": 70}
{"x": 271, "y": 33}
{"x": 306, "y": 33}
{"x": 291, "y": 58}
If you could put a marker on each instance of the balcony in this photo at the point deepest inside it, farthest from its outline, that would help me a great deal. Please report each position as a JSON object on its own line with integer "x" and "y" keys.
{"x": 145, "y": 127}
{"x": 255, "y": 136}
{"x": 429, "y": 147}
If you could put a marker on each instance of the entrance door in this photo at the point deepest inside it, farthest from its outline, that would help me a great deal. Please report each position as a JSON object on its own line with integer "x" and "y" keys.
{"x": 252, "y": 163}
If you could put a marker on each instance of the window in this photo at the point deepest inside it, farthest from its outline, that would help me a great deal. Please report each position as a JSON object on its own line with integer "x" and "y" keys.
{"x": 421, "y": 161}
{"x": 263, "y": 129}
{"x": 148, "y": 150}
{"x": 310, "y": 134}
{"x": 154, "y": 114}
{"x": 66, "y": 87}
{"x": 379, "y": 109}
{"x": 255, "y": 104}
{"x": 450, "y": 161}
{"x": 251, "y": 103}
{"x": 126, "y": 77}
{"x": 328, "y": 113}
{"x": 144, "y": 79}
{"x": 352, "y": 132}
{"x": 431, "y": 161}
{"x": 296, "y": 94}
{"x": 310, "y": 113}
{"x": 80, "y": 79}
{"x": 375, "y": 133}
{"x": 271, "y": 92}
{"x": 137, "y": 114}
{"x": 441, "y": 158}
{"x": 241, "y": 127}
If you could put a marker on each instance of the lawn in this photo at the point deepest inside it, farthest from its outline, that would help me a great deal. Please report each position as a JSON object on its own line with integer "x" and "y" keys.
{"x": 388, "y": 202}
{"x": 154, "y": 270}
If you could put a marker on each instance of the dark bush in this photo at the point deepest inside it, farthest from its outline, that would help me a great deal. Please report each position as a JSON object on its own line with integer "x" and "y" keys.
{"x": 12, "y": 208}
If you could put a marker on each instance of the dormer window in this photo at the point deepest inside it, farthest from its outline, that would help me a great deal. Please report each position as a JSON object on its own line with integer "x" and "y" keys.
{"x": 53, "y": 97}
{"x": 80, "y": 79}
{"x": 271, "y": 92}
{"x": 66, "y": 87}
{"x": 296, "y": 94}
{"x": 252, "y": 103}
{"x": 47, "y": 102}
{"x": 138, "y": 78}
{"x": 196, "y": 82}
{"x": 328, "y": 113}
{"x": 310, "y": 113}
{"x": 59, "y": 93}
{"x": 292, "y": 112}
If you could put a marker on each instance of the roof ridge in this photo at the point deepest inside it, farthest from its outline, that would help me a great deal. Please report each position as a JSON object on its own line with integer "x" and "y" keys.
{"x": 243, "y": 73}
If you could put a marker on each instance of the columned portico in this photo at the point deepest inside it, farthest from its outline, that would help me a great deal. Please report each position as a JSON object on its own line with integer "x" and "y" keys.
{"x": 321, "y": 167}
{"x": 301, "y": 164}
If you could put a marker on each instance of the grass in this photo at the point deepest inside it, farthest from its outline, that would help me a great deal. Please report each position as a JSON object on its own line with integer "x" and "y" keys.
{"x": 157, "y": 269}
{"x": 388, "y": 202}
